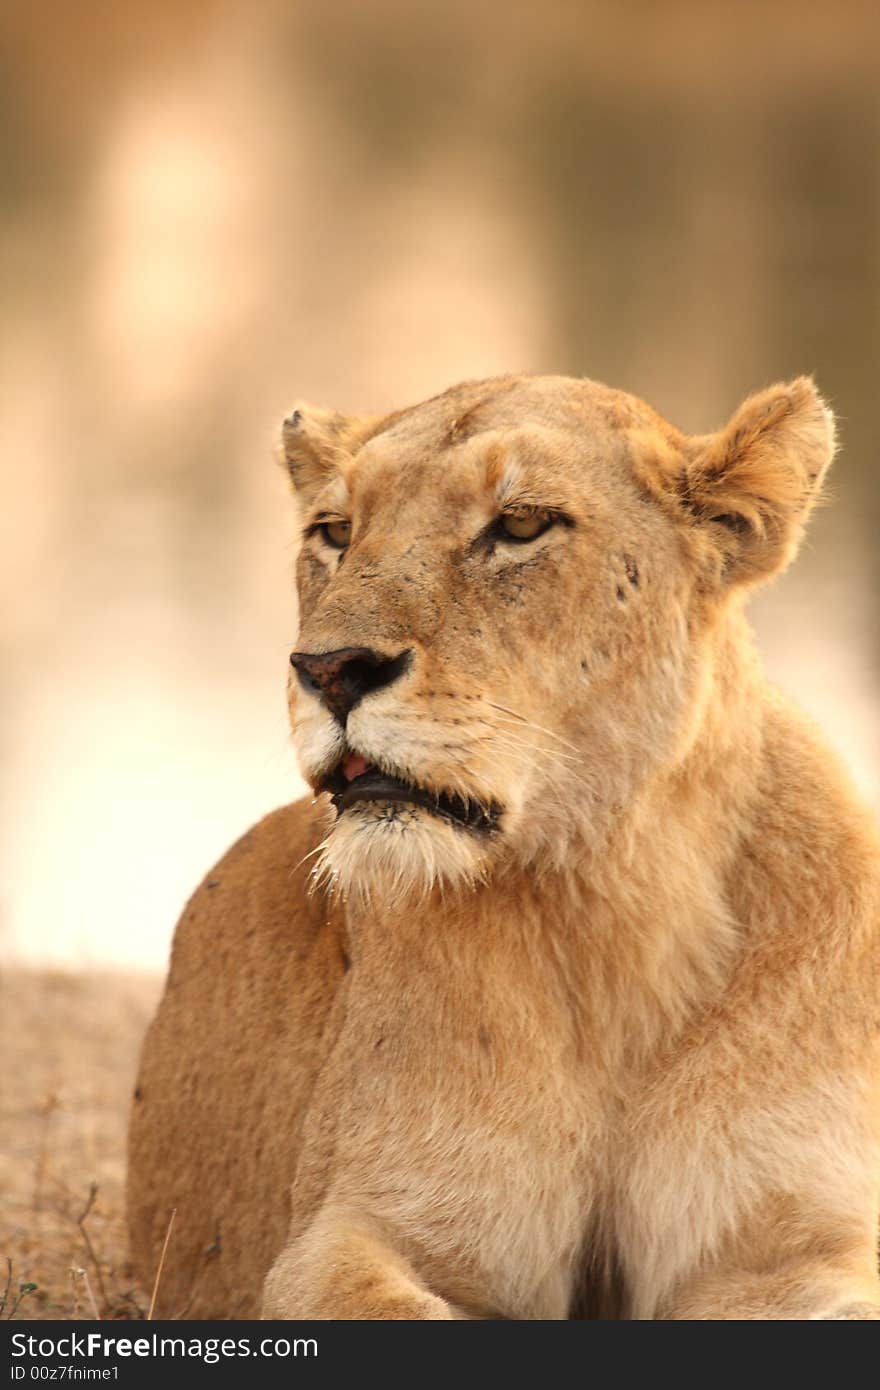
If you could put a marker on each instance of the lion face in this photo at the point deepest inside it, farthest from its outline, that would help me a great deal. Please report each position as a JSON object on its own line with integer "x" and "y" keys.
{"x": 505, "y": 595}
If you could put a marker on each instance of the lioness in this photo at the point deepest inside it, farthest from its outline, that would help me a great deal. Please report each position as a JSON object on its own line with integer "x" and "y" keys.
{"x": 560, "y": 1000}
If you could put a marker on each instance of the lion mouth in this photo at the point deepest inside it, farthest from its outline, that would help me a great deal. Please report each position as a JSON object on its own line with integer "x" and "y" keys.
{"x": 355, "y": 780}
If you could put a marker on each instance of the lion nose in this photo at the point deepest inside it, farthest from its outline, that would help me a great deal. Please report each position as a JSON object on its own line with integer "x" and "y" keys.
{"x": 342, "y": 678}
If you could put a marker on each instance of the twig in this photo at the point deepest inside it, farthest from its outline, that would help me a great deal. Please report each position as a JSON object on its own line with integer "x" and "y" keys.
{"x": 85, "y": 1275}
{"x": 49, "y": 1106}
{"x": 161, "y": 1264}
{"x": 23, "y": 1291}
{"x": 5, "y": 1297}
{"x": 77, "y": 1272}
{"x": 90, "y": 1202}
{"x": 81, "y": 1222}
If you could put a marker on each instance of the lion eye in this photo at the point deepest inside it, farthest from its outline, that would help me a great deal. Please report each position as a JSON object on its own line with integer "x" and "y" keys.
{"x": 525, "y": 526}
{"x": 336, "y": 533}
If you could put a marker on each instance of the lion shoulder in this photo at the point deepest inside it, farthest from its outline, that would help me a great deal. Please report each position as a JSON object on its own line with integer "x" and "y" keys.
{"x": 257, "y": 901}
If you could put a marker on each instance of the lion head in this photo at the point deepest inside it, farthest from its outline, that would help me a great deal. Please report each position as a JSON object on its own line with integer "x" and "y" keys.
{"x": 511, "y": 597}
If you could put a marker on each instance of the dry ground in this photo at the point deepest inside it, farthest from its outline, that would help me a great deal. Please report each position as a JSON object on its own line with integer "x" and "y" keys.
{"x": 69, "y": 1046}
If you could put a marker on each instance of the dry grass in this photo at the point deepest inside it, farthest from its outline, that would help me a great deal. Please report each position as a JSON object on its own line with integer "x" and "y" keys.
{"x": 69, "y": 1046}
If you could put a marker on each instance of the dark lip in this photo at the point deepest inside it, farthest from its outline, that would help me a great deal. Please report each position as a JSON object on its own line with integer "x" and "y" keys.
{"x": 375, "y": 785}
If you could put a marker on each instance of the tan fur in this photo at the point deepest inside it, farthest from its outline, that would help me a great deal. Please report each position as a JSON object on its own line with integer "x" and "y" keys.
{"x": 618, "y": 1057}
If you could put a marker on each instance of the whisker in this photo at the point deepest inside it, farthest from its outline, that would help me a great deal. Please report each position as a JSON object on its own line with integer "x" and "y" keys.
{"x": 547, "y": 752}
{"x": 563, "y": 770}
{"x": 530, "y": 723}
{"x": 492, "y": 726}
{"x": 309, "y": 855}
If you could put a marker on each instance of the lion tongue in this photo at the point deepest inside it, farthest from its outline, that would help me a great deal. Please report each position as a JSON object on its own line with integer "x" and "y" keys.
{"x": 355, "y": 765}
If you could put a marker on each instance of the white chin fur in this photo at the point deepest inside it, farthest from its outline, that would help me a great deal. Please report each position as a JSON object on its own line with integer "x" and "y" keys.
{"x": 392, "y": 854}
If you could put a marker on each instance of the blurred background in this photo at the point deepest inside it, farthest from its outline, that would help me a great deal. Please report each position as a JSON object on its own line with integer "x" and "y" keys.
{"x": 209, "y": 209}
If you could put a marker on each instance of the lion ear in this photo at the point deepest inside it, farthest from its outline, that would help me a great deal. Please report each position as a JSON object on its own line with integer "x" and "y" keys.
{"x": 755, "y": 482}
{"x": 316, "y": 444}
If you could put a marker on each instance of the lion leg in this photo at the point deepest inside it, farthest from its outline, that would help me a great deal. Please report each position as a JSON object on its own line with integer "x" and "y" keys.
{"x": 812, "y": 1290}
{"x": 342, "y": 1268}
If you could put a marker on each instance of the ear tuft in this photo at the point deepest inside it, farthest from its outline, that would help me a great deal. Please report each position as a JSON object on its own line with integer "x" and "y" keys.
{"x": 756, "y": 481}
